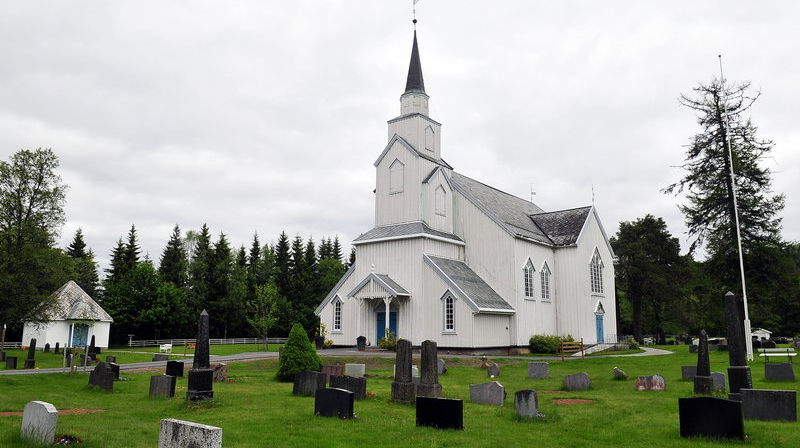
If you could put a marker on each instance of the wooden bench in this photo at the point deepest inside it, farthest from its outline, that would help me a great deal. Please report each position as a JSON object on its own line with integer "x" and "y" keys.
{"x": 768, "y": 353}
{"x": 165, "y": 348}
{"x": 569, "y": 348}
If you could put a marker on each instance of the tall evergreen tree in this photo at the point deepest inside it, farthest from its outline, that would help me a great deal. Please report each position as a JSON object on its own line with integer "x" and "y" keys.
{"x": 282, "y": 268}
{"x": 117, "y": 264}
{"x": 352, "y": 260}
{"x": 132, "y": 250}
{"x": 325, "y": 249}
{"x": 220, "y": 262}
{"x": 84, "y": 264}
{"x": 200, "y": 271}
{"x": 174, "y": 263}
{"x": 336, "y": 249}
{"x": 77, "y": 248}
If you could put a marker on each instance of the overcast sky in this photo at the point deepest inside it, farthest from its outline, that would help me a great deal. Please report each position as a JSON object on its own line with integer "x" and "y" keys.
{"x": 267, "y": 116}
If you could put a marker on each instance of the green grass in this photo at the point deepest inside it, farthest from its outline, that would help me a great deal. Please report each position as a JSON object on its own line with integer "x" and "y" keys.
{"x": 617, "y": 352}
{"x": 257, "y": 411}
{"x": 229, "y": 349}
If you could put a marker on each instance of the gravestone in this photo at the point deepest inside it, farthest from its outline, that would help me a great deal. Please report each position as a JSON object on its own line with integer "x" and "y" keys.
{"x": 526, "y": 403}
{"x": 711, "y": 417}
{"x": 182, "y": 434}
{"x": 797, "y": 344}
{"x": 11, "y": 362}
{"x": 718, "y": 378}
{"x": 2, "y": 356}
{"x": 334, "y": 370}
{"x": 355, "y": 370}
{"x": 308, "y": 382}
{"x": 703, "y": 383}
{"x": 429, "y": 381}
{"x": 493, "y": 371}
{"x": 764, "y": 404}
{"x": 577, "y": 381}
{"x": 361, "y": 343}
{"x": 102, "y": 376}
{"x": 692, "y": 349}
{"x": 220, "y": 372}
{"x": 688, "y": 372}
{"x": 620, "y": 374}
{"x": 756, "y": 344}
{"x": 768, "y": 344}
{"x": 162, "y": 386}
{"x": 441, "y": 367}
{"x": 403, "y": 387}
{"x": 358, "y": 386}
{"x": 47, "y": 348}
{"x": 440, "y": 413}
{"x": 652, "y": 382}
{"x": 739, "y": 375}
{"x": 39, "y": 421}
{"x": 160, "y": 357}
{"x": 538, "y": 370}
{"x": 492, "y": 393}
{"x": 175, "y": 368}
{"x": 57, "y": 349}
{"x": 30, "y": 360}
{"x": 114, "y": 369}
{"x": 110, "y": 358}
{"x": 333, "y": 403}
{"x": 92, "y": 349}
{"x": 778, "y": 371}
{"x": 201, "y": 376}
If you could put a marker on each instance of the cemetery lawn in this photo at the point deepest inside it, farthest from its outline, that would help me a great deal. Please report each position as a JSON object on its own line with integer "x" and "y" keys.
{"x": 256, "y": 411}
{"x": 227, "y": 349}
{"x": 51, "y": 360}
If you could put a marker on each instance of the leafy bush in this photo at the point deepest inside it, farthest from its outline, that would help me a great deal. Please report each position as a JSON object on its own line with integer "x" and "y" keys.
{"x": 543, "y": 343}
{"x": 328, "y": 343}
{"x": 389, "y": 342}
{"x": 632, "y": 344}
{"x": 297, "y": 355}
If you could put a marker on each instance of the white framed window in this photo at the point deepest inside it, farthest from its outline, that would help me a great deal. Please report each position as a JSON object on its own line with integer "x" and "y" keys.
{"x": 596, "y": 273}
{"x": 337, "y": 314}
{"x": 448, "y": 313}
{"x": 441, "y": 201}
{"x": 429, "y": 138}
{"x": 396, "y": 180}
{"x": 545, "y": 279}
{"x": 527, "y": 274}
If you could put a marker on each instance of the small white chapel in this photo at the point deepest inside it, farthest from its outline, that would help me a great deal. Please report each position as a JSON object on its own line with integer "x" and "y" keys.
{"x": 456, "y": 261}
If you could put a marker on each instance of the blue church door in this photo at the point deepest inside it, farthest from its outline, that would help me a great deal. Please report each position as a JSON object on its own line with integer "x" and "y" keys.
{"x": 381, "y": 324}
{"x": 80, "y": 335}
{"x": 599, "y": 327}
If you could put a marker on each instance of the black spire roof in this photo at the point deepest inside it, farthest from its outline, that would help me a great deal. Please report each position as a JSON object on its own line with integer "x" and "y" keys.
{"x": 415, "y": 83}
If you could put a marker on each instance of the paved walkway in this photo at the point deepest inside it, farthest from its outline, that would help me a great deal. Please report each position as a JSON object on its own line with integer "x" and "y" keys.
{"x": 335, "y": 352}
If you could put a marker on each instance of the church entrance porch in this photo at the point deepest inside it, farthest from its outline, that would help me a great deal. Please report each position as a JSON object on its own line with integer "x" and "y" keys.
{"x": 380, "y": 300}
{"x": 380, "y": 323}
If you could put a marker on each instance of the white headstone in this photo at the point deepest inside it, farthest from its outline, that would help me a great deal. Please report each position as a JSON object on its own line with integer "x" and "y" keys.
{"x": 182, "y": 434}
{"x": 354, "y": 370}
{"x": 39, "y": 422}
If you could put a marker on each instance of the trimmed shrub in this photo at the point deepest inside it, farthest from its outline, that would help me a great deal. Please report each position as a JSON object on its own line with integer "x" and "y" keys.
{"x": 544, "y": 343}
{"x": 297, "y": 355}
{"x": 389, "y": 342}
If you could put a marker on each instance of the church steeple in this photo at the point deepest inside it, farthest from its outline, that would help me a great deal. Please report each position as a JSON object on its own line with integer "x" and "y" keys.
{"x": 415, "y": 83}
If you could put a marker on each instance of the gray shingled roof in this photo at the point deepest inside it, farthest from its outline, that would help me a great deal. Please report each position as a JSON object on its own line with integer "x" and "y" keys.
{"x": 398, "y": 230}
{"x": 408, "y": 145}
{"x": 563, "y": 226}
{"x": 468, "y": 285}
{"x": 333, "y": 291}
{"x": 393, "y": 284}
{"x": 71, "y": 302}
{"x": 510, "y": 210}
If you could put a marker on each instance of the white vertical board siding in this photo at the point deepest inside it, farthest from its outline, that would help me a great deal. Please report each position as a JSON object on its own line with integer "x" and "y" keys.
{"x": 491, "y": 330}
{"x": 533, "y": 316}
{"x": 434, "y": 220}
{"x": 412, "y": 128}
{"x": 392, "y": 208}
{"x": 430, "y": 315}
{"x": 35, "y": 331}
{"x": 443, "y": 249}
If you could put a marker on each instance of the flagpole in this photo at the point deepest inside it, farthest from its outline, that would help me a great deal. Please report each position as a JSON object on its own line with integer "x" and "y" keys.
{"x": 748, "y": 342}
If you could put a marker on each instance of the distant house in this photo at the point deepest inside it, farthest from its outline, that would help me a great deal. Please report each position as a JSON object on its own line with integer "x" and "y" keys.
{"x": 761, "y": 333}
{"x": 72, "y": 319}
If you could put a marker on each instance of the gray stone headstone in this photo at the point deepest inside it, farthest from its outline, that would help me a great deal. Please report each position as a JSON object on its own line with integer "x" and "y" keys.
{"x": 703, "y": 362}
{"x": 307, "y": 382}
{"x": 441, "y": 367}
{"x": 764, "y": 404}
{"x": 493, "y": 371}
{"x": 57, "y": 349}
{"x": 492, "y": 393}
{"x": 538, "y": 370}
{"x": 39, "y": 421}
{"x": 355, "y": 370}
{"x": 160, "y": 357}
{"x": 718, "y": 378}
{"x": 526, "y": 403}
{"x": 577, "y": 381}
{"x": 652, "y": 382}
{"x": 220, "y": 372}
{"x": 429, "y": 380}
{"x": 47, "y": 348}
{"x": 182, "y": 434}
{"x": 162, "y": 386}
{"x": 688, "y": 372}
{"x": 332, "y": 370}
{"x": 358, "y": 386}
{"x": 620, "y": 374}
{"x": 102, "y": 376}
{"x": 778, "y": 371}
{"x": 30, "y": 360}
{"x": 403, "y": 387}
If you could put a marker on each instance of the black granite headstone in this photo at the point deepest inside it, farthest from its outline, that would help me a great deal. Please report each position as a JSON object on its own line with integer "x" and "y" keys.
{"x": 756, "y": 344}
{"x": 768, "y": 344}
{"x": 778, "y": 371}
{"x": 30, "y": 361}
{"x": 2, "y": 356}
{"x": 358, "y": 386}
{"x": 175, "y": 368}
{"x": 334, "y": 403}
{"x": 47, "y": 348}
{"x": 361, "y": 343}
{"x": 162, "y": 386}
{"x": 308, "y": 382}
{"x": 201, "y": 376}
{"x": 110, "y": 358}
{"x": 765, "y": 404}
{"x": 102, "y": 376}
{"x": 201, "y": 349}
{"x": 57, "y": 349}
{"x": 114, "y": 368}
{"x": 739, "y": 376}
{"x": 711, "y": 417}
{"x": 703, "y": 383}
{"x": 11, "y": 362}
{"x": 441, "y": 413}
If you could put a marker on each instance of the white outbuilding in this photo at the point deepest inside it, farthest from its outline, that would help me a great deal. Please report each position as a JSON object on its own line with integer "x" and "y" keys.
{"x": 456, "y": 261}
{"x": 761, "y": 334}
{"x": 71, "y": 319}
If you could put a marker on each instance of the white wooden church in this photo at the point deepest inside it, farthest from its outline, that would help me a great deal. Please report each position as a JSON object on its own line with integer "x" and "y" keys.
{"x": 464, "y": 264}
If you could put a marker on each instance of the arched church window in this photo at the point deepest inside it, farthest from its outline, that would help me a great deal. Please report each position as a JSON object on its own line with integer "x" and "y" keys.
{"x": 545, "y": 277}
{"x": 441, "y": 201}
{"x": 337, "y": 315}
{"x": 396, "y": 179}
{"x": 527, "y": 273}
{"x": 596, "y": 273}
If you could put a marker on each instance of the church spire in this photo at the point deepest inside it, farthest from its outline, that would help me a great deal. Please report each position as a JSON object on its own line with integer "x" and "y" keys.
{"x": 415, "y": 83}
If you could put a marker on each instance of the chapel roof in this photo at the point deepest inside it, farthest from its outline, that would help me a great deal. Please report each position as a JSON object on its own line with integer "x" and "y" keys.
{"x": 468, "y": 285}
{"x": 401, "y": 230}
{"x": 563, "y": 227}
{"x": 71, "y": 302}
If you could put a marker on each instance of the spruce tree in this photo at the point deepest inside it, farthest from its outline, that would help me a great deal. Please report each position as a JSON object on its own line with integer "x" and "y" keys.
{"x": 282, "y": 269}
{"x": 132, "y": 250}
{"x": 116, "y": 267}
{"x": 77, "y": 248}
{"x": 336, "y": 249}
{"x": 220, "y": 262}
{"x": 86, "y": 274}
{"x": 297, "y": 355}
{"x": 199, "y": 271}
{"x": 174, "y": 263}
{"x": 352, "y": 259}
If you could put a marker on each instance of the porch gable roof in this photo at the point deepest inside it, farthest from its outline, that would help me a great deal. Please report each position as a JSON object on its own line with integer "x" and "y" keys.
{"x": 378, "y": 286}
